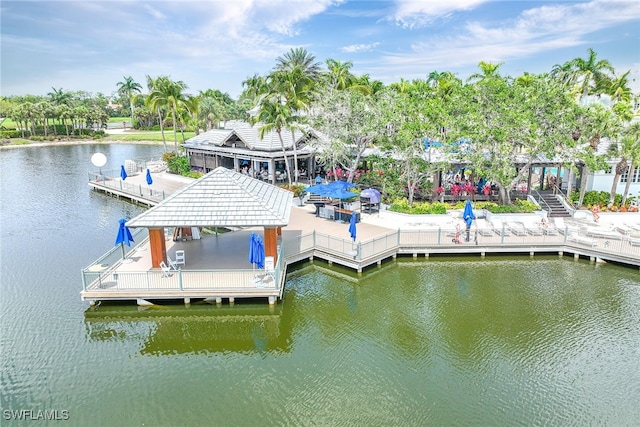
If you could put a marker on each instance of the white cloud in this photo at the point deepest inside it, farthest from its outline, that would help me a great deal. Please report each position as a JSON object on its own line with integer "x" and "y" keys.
{"x": 536, "y": 30}
{"x": 359, "y": 47}
{"x": 414, "y": 14}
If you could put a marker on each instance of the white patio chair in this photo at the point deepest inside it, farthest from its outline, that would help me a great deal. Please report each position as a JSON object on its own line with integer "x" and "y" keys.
{"x": 172, "y": 264}
{"x": 269, "y": 269}
{"x": 180, "y": 258}
{"x": 166, "y": 271}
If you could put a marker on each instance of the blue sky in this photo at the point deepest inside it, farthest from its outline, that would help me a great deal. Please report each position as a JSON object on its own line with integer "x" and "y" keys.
{"x": 88, "y": 45}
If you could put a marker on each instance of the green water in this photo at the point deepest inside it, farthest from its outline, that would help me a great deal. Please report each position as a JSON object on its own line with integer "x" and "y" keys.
{"x": 443, "y": 341}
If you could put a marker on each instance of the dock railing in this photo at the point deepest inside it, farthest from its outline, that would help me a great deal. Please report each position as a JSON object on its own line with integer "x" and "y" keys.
{"x": 103, "y": 275}
{"x": 117, "y": 185}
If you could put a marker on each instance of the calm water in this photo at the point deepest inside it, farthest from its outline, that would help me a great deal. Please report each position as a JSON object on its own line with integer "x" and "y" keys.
{"x": 449, "y": 341}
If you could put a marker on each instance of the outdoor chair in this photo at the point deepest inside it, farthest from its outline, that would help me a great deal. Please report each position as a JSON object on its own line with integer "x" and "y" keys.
{"x": 517, "y": 228}
{"x": 172, "y": 264}
{"x": 180, "y": 258}
{"x": 166, "y": 271}
{"x": 269, "y": 269}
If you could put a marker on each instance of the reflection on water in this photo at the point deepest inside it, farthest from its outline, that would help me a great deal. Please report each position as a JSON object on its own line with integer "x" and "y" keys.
{"x": 443, "y": 341}
{"x": 199, "y": 329}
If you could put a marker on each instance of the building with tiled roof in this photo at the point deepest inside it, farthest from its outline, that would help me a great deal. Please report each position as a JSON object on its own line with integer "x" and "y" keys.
{"x": 238, "y": 146}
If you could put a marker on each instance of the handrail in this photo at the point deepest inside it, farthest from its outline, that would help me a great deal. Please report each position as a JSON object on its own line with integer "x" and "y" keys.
{"x": 558, "y": 191}
{"x": 541, "y": 199}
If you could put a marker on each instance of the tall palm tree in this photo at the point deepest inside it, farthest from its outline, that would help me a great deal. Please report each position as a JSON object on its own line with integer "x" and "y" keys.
{"x": 339, "y": 74}
{"x": 488, "y": 70}
{"x": 590, "y": 72}
{"x": 631, "y": 149}
{"x": 619, "y": 88}
{"x": 157, "y": 106}
{"x": 273, "y": 114}
{"x": 169, "y": 94}
{"x": 127, "y": 89}
{"x": 299, "y": 57}
{"x": 60, "y": 97}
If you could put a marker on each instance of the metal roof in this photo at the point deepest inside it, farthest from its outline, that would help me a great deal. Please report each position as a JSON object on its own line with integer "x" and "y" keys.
{"x": 248, "y": 135}
{"x": 221, "y": 198}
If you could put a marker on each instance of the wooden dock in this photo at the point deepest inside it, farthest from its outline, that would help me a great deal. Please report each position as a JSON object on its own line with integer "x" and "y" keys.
{"x": 217, "y": 266}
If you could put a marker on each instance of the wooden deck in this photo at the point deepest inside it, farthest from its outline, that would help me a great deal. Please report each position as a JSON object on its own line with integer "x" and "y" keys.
{"x": 217, "y": 266}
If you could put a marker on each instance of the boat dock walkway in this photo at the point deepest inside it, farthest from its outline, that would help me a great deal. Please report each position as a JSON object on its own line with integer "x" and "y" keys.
{"x": 217, "y": 265}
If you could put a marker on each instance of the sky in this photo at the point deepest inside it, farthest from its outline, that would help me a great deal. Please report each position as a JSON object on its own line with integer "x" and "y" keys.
{"x": 92, "y": 45}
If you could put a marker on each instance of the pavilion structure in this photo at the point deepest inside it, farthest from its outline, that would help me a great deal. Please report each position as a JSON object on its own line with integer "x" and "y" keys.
{"x": 239, "y": 146}
{"x": 221, "y": 198}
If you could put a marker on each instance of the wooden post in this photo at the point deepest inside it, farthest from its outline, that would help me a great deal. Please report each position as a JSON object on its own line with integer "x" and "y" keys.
{"x": 271, "y": 243}
{"x": 158, "y": 247}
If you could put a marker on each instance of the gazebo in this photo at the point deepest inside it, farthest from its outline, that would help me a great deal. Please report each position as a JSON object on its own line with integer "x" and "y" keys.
{"x": 221, "y": 198}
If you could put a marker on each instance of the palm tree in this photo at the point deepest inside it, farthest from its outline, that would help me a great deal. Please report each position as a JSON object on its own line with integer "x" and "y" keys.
{"x": 273, "y": 114}
{"x": 60, "y": 97}
{"x": 590, "y": 72}
{"x": 169, "y": 94}
{"x": 127, "y": 89}
{"x": 489, "y": 70}
{"x": 619, "y": 88}
{"x": 339, "y": 74}
{"x": 157, "y": 106}
{"x": 631, "y": 149}
{"x": 299, "y": 57}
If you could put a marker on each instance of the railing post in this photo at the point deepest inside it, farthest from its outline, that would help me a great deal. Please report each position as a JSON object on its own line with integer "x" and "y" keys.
{"x": 439, "y": 233}
{"x": 359, "y": 254}
{"x": 120, "y": 182}
{"x": 398, "y": 241}
{"x": 84, "y": 281}
{"x": 140, "y": 190}
{"x": 502, "y": 235}
{"x": 180, "y": 278}
{"x": 314, "y": 239}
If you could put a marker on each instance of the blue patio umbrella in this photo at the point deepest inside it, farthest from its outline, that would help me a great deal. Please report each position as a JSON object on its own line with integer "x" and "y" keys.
{"x": 468, "y": 216}
{"x": 124, "y": 236}
{"x": 372, "y": 194}
{"x": 352, "y": 226}
{"x": 319, "y": 189}
{"x": 149, "y": 180}
{"x": 256, "y": 250}
{"x": 123, "y": 173}
{"x": 343, "y": 185}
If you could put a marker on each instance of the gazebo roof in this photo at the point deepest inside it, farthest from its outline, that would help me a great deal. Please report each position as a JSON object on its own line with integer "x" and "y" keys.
{"x": 221, "y": 198}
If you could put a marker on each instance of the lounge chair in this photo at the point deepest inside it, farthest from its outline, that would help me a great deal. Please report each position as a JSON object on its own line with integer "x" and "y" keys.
{"x": 564, "y": 228}
{"x": 533, "y": 228}
{"x": 604, "y": 233}
{"x": 583, "y": 240}
{"x": 517, "y": 228}
{"x": 499, "y": 227}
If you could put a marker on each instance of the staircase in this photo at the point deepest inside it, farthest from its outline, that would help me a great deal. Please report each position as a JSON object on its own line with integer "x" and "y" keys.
{"x": 553, "y": 205}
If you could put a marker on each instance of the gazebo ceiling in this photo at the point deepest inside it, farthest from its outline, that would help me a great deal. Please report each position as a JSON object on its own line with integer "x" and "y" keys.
{"x": 221, "y": 198}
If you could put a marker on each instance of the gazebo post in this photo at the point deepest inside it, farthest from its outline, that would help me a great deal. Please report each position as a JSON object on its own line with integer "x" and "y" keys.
{"x": 271, "y": 243}
{"x": 158, "y": 247}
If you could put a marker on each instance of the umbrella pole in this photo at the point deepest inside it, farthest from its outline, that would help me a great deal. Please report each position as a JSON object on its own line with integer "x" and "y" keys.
{"x": 122, "y": 247}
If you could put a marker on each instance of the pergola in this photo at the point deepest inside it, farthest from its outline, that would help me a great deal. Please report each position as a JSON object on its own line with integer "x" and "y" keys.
{"x": 221, "y": 198}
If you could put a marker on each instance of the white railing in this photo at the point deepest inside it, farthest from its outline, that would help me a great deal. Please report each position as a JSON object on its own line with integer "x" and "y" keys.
{"x": 112, "y": 280}
{"x": 137, "y": 190}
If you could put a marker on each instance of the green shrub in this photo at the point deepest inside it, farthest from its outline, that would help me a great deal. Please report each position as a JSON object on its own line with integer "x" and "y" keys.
{"x": 296, "y": 189}
{"x": 402, "y": 206}
{"x": 10, "y": 134}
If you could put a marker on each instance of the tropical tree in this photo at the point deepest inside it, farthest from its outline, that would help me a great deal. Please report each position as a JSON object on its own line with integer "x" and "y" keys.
{"x": 273, "y": 115}
{"x": 157, "y": 104}
{"x": 339, "y": 75}
{"x": 299, "y": 58}
{"x": 619, "y": 88}
{"x": 127, "y": 89}
{"x": 630, "y": 150}
{"x": 488, "y": 70}
{"x": 352, "y": 122}
{"x": 505, "y": 120}
{"x": 589, "y": 72}
{"x": 60, "y": 97}
{"x": 169, "y": 94}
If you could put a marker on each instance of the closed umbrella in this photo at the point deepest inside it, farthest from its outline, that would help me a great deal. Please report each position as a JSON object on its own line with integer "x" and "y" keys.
{"x": 256, "y": 250}
{"x": 352, "y": 226}
{"x": 124, "y": 236}
{"x": 123, "y": 173}
{"x": 468, "y": 216}
{"x": 149, "y": 179}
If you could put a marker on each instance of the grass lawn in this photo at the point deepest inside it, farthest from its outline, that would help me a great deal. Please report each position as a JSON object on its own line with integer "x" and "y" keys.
{"x": 148, "y": 136}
